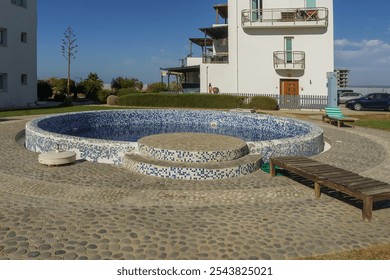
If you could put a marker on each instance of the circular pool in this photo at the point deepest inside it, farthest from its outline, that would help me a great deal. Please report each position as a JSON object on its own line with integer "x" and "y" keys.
{"x": 105, "y": 136}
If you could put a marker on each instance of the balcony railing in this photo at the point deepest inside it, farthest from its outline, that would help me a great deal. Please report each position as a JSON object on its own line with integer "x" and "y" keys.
{"x": 216, "y": 58}
{"x": 289, "y": 60}
{"x": 300, "y": 17}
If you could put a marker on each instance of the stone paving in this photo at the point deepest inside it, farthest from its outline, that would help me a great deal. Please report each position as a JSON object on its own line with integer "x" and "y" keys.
{"x": 98, "y": 211}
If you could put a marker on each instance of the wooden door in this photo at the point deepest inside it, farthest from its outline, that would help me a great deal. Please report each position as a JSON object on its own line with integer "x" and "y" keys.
{"x": 289, "y": 87}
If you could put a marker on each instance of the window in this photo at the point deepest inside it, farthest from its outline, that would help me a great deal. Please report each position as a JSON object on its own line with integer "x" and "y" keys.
{"x": 3, "y": 36}
{"x": 23, "y": 37}
{"x": 23, "y": 79}
{"x": 21, "y": 3}
{"x": 3, "y": 82}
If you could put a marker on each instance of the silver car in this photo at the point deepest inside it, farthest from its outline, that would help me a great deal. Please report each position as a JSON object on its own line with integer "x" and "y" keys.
{"x": 346, "y": 96}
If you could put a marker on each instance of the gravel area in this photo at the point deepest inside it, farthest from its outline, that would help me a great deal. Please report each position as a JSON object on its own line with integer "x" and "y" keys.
{"x": 98, "y": 211}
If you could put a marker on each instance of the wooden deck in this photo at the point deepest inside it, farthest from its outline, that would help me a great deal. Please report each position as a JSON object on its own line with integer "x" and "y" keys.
{"x": 366, "y": 189}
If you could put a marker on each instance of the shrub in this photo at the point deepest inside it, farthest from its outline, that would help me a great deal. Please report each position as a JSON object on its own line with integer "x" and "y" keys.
{"x": 112, "y": 100}
{"x": 156, "y": 88}
{"x": 126, "y": 91}
{"x": 182, "y": 101}
{"x": 60, "y": 97}
{"x": 103, "y": 94}
{"x": 44, "y": 90}
{"x": 262, "y": 103}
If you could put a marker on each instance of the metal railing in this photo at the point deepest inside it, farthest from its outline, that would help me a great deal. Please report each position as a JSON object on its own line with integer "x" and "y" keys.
{"x": 289, "y": 60}
{"x": 291, "y": 102}
{"x": 294, "y": 16}
{"x": 216, "y": 58}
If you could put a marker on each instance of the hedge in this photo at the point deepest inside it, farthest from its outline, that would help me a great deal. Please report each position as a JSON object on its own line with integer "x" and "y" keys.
{"x": 262, "y": 103}
{"x": 126, "y": 91}
{"x": 207, "y": 101}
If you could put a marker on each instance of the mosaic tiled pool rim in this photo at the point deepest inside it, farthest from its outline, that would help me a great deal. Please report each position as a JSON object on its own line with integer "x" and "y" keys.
{"x": 293, "y": 137}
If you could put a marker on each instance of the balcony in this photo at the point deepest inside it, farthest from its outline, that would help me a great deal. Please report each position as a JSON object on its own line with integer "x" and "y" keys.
{"x": 289, "y": 60}
{"x": 285, "y": 18}
{"x": 218, "y": 58}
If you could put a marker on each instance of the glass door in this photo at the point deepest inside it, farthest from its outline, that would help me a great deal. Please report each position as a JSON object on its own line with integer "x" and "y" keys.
{"x": 288, "y": 49}
{"x": 256, "y": 5}
{"x": 311, "y": 4}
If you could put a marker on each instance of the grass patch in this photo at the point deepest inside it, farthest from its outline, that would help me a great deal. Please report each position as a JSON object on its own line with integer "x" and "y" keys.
{"x": 56, "y": 110}
{"x": 379, "y": 252}
{"x": 377, "y": 121}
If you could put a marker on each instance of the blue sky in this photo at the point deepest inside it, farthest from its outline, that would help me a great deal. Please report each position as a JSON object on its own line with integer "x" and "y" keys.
{"x": 134, "y": 38}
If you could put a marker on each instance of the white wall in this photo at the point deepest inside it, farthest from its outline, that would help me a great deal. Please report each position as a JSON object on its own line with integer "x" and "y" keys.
{"x": 251, "y": 68}
{"x": 218, "y": 75}
{"x": 17, "y": 58}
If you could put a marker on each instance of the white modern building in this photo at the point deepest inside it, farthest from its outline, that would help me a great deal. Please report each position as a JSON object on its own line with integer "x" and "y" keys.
{"x": 264, "y": 47}
{"x": 18, "y": 53}
{"x": 342, "y": 77}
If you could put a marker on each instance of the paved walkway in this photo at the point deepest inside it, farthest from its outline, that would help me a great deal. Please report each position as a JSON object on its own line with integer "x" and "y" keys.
{"x": 97, "y": 211}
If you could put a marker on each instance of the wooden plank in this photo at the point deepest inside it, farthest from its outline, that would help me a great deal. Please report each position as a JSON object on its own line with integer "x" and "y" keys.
{"x": 342, "y": 189}
{"x": 381, "y": 196}
{"x": 323, "y": 170}
{"x": 379, "y": 189}
{"x": 292, "y": 161}
{"x": 341, "y": 177}
{"x": 353, "y": 178}
{"x": 319, "y": 167}
{"x": 362, "y": 185}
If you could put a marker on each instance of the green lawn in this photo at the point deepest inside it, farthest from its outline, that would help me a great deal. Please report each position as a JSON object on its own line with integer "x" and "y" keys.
{"x": 57, "y": 110}
{"x": 377, "y": 121}
{"x": 377, "y": 124}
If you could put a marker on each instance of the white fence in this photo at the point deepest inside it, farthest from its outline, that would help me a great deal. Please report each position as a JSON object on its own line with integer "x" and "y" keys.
{"x": 292, "y": 102}
{"x": 289, "y": 102}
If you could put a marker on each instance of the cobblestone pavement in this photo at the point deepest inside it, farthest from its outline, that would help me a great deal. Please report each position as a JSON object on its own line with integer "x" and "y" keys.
{"x": 97, "y": 211}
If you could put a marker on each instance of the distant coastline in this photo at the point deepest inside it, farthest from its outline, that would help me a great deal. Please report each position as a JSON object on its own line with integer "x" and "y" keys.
{"x": 365, "y": 86}
{"x": 370, "y": 89}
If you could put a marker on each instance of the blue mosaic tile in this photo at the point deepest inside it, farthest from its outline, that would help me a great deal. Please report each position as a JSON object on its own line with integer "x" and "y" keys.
{"x": 106, "y": 136}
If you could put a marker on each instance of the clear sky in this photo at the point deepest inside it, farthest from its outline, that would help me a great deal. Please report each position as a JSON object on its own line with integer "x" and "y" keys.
{"x": 134, "y": 38}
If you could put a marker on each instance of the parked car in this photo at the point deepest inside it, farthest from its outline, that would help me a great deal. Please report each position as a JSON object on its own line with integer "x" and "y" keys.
{"x": 370, "y": 101}
{"x": 346, "y": 96}
{"x": 340, "y": 91}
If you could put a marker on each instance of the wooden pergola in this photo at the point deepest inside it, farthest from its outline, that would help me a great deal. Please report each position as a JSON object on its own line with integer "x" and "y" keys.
{"x": 221, "y": 11}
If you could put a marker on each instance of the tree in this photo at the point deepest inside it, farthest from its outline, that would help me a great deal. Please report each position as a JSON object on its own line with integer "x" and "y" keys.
{"x": 69, "y": 51}
{"x": 156, "y": 87}
{"x": 120, "y": 83}
{"x": 44, "y": 90}
{"x": 60, "y": 85}
{"x": 92, "y": 85}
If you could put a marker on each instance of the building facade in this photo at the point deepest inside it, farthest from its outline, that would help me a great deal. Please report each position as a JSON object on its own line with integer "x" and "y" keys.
{"x": 264, "y": 47}
{"x": 342, "y": 77}
{"x": 18, "y": 53}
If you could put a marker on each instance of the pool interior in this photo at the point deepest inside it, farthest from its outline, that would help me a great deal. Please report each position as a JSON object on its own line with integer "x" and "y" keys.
{"x": 133, "y": 125}
{"x": 106, "y": 136}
